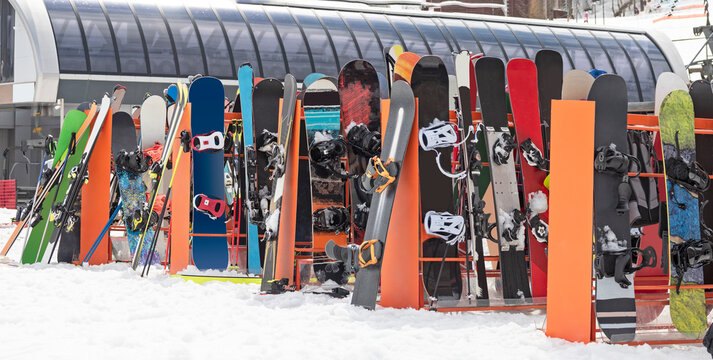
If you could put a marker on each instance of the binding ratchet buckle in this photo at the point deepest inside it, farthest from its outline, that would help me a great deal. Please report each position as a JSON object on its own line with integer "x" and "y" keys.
{"x": 370, "y": 248}
{"x": 379, "y": 175}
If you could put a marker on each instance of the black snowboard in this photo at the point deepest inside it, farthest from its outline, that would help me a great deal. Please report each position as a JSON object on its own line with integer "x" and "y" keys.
{"x": 549, "y": 87}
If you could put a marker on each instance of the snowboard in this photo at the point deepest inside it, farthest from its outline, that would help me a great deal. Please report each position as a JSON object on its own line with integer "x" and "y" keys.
{"x": 360, "y": 105}
{"x": 702, "y": 96}
{"x": 576, "y": 85}
{"x": 37, "y": 240}
{"x": 549, "y": 87}
{"x": 687, "y": 306}
{"x": 490, "y": 76}
{"x": 614, "y": 299}
{"x": 326, "y": 147}
{"x": 522, "y": 82}
{"x": 252, "y": 208}
{"x": 390, "y": 55}
{"x": 278, "y": 157}
{"x": 403, "y": 68}
{"x": 132, "y": 188}
{"x": 209, "y": 251}
{"x": 441, "y": 226}
{"x": 398, "y": 129}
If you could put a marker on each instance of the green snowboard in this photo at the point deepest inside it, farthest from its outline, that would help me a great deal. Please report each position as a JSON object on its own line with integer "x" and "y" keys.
{"x": 687, "y": 306}
{"x": 35, "y": 247}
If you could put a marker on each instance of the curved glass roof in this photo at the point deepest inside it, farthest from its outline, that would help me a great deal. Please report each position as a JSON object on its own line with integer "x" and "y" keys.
{"x": 173, "y": 38}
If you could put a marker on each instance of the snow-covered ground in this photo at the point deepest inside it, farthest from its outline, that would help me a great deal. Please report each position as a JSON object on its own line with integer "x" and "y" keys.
{"x": 109, "y": 312}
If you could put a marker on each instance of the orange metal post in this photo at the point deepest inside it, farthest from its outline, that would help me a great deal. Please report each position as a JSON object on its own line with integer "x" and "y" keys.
{"x": 180, "y": 200}
{"x": 285, "y": 262}
{"x": 569, "y": 287}
{"x": 400, "y": 283}
{"x": 95, "y": 198}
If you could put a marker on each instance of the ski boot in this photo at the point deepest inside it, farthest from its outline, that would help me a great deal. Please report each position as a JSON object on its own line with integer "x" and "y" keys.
{"x": 513, "y": 230}
{"x": 134, "y": 162}
{"x": 326, "y": 155}
{"x": 502, "y": 149}
{"x": 533, "y": 155}
{"x": 615, "y": 258}
{"x": 445, "y": 225}
{"x": 609, "y": 160}
{"x": 378, "y": 175}
{"x": 333, "y": 218}
{"x": 364, "y": 142}
{"x": 212, "y": 207}
{"x": 213, "y": 141}
{"x": 440, "y": 135}
{"x": 690, "y": 254}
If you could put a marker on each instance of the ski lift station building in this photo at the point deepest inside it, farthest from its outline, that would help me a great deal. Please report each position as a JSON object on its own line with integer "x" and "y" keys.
{"x": 55, "y": 54}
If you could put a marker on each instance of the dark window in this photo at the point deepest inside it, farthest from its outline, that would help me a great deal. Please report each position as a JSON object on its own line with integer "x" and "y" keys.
{"x": 579, "y": 57}
{"x": 510, "y": 43}
{"x": 462, "y": 35}
{"x": 368, "y": 45}
{"x": 238, "y": 33}
{"x": 621, "y": 63}
{"x": 550, "y": 42}
{"x": 322, "y": 52}
{"x": 96, "y": 29}
{"x": 273, "y": 62}
{"x": 294, "y": 43}
{"x": 658, "y": 61}
{"x": 598, "y": 55}
{"x": 158, "y": 43}
{"x": 439, "y": 45}
{"x": 641, "y": 66}
{"x": 527, "y": 38}
{"x": 343, "y": 41}
{"x": 213, "y": 39}
{"x": 7, "y": 41}
{"x": 485, "y": 37}
{"x": 386, "y": 32}
{"x": 70, "y": 47}
{"x": 414, "y": 41}
{"x": 190, "y": 58}
{"x": 128, "y": 38}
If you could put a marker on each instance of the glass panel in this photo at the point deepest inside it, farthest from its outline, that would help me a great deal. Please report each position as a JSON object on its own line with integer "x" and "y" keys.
{"x": 527, "y": 38}
{"x": 658, "y": 61}
{"x": 273, "y": 63}
{"x": 70, "y": 48}
{"x": 641, "y": 66}
{"x": 213, "y": 41}
{"x": 128, "y": 38}
{"x": 414, "y": 41}
{"x": 386, "y": 32}
{"x": 463, "y": 36}
{"x": 550, "y": 41}
{"x": 598, "y": 55}
{"x": 491, "y": 47}
{"x": 621, "y": 63}
{"x": 436, "y": 41}
{"x": 293, "y": 41}
{"x": 7, "y": 42}
{"x": 190, "y": 58}
{"x": 157, "y": 40}
{"x": 101, "y": 47}
{"x": 579, "y": 57}
{"x": 510, "y": 43}
{"x": 240, "y": 41}
{"x": 343, "y": 41}
{"x": 368, "y": 45}
{"x": 322, "y": 53}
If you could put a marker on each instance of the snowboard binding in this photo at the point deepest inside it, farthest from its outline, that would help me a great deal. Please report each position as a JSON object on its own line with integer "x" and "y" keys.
{"x": 266, "y": 141}
{"x": 272, "y": 223}
{"x": 445, "y": 225}
{"x": 378, "y": 175}
{"x": 276, "y": 162}
{"x": 326, "y": 155}
{"x": 513, "y": 230}
{"x": 134, "y": 162}
{"x": 690, "y": 254}
{"x": 440, "y": 135}
{"x": 370, "y": 252}
{"x": 502, "y": 149}
{"x": 333, "y": 218}
{"x": 615, "y": 258}
{"x": 360, "y": 216}
{"x": 536, "y": 205}
{"x": 137, "y": 221}
{"x": 533, "y": 155}
{"x": 213, "y": 141}
{"x": 609, "y": 160}
{"x": 212, "y": 207}
{"x": 364, "y": 142}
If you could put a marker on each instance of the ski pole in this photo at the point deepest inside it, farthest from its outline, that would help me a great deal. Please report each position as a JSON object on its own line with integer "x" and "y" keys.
{"x": 101, "y": 235}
